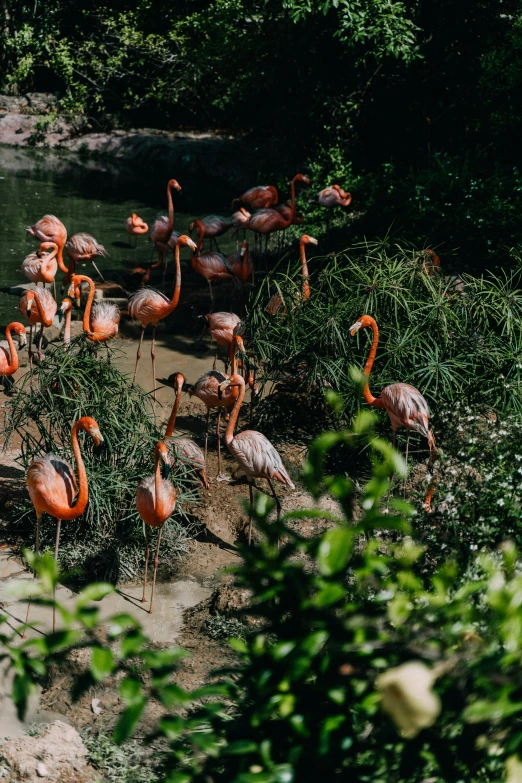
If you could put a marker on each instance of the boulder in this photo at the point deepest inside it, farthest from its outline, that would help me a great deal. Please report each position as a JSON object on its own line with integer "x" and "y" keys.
{"x": 57, "y": 755}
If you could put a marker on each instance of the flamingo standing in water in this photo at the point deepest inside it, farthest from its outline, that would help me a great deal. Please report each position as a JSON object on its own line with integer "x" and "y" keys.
{"x": 52, "y": 486}
{"x": 211, "y": 265}
{"x": 51, "y": 229}
{"x": 267, "y": 221}
{"x": 252, "y": 451}
{"x": 149, "y": 306}
{"x": 101, "y": 319}
{"x": 222, "y": 327}
{"x": 39, "y": 307}
{"x": 214, "y": 226}
{"x": 257, "y": 197}
{"x": 41, "y": 267}
{"x": 161, "y": 231}
{"x": 65, "y": 311}
{"x": 82, "y": 248}
{"x": 135, "y": 227}
{"x": 156, "y": 501}
{"x": 276, "y": 305}
{"x": 207, "y": 390}
{"x": 185, "y": 448}
{"x": 403, "y": 403}
{"x": 8, "y": 354}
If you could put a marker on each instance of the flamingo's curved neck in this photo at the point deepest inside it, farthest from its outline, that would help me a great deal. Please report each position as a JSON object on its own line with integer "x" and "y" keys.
{"x": 59, "y": 258}
{"x": 177, "y": 286}
{"x": 304, "y": 269}
{"x": 375, "y": 402}
{"x": 172, "y": 420}
{"x": 12, "y": 367}
{"x": 232, "y": 356}
{"x": 244, "y": 265}
{"x": 229, "y": 435}
{"x": 67, "y": 328}
{"x": 170, "y": 224}
{"x": 83, "y": 494}
{"x": 47, "y": 263}
{"x": 158, "y": 495}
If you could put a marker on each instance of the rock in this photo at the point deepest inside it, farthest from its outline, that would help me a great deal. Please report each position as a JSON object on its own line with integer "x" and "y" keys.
{"x": 57, "y": 754}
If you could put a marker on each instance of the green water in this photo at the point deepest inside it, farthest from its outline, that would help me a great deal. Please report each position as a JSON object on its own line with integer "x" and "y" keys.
{"x": 90, "y": 196}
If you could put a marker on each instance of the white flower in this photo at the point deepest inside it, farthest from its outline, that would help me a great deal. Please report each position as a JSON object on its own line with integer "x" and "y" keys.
{"x": 407, "y": 696}
{"x": 500, "y": 502}
{"x": 513, "y": 770}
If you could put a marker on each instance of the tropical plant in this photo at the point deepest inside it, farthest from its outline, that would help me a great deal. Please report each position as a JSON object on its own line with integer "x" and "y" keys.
{"x": 107, "y": 540}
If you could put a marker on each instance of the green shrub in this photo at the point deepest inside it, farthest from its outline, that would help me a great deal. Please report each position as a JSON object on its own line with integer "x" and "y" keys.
{"x": 107, "y": 540}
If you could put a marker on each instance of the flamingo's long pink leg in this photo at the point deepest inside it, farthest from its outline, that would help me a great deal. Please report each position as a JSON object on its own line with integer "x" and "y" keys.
{"x": 56, "y": 546}
{"x": 153, "y": 356}
{"x": 156, "y": 561}
{"x": 206, "y": 434}
{"x": 37, "y": 551}
{"x": 147, "y": 555}
{"x": 138, "y": 355}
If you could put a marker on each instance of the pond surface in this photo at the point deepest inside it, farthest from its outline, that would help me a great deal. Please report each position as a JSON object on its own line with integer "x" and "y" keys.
{"x": 91, "y": 196}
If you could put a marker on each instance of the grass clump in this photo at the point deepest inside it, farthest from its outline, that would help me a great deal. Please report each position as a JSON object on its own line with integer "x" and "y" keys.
{"x": 106, "y": 542}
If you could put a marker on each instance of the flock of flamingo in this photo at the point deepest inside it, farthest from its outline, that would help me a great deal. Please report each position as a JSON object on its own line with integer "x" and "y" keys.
{"x": 51, "y": 480}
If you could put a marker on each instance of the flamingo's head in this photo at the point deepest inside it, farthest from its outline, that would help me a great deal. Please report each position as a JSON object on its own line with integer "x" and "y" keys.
{"x": 173, "y": 183}
{"x": 185, "y": 240}
{"x": 302, "y": 178}
{"x": 90, "y": 426}
{"x": 362, "y": 323}
{"x": 19, "y": 329}
{"x": 75, "y": 289}
{"x": 29, "y": 299}
{"x": 65, "y": 307}
{"x": 306, "y": 239}
{"x": 244, "y": 248}
{"x": 162, "y": 453}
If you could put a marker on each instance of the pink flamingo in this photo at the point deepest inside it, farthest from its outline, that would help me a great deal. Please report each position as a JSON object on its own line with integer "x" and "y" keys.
{"x": 82, "y": 248}
{"x": 222, "y": 327}
{"x": 39, "y": 307}
{"x": 65, "y": 311}
{"x": 334, "y": 196}
{"x": 161, "y": 231}
{"x": 41, "y": 267}
{"x": 267, "y": 221}
{"x": 211, "y": 265}
{"x": 214, "y": 226}
{"x": 51, "y": 229}
{"x": 156, "y": 501}
{"x": 241, "y": 264}
{"x": 403, "y": 403}
{"x": 185, "y": 448}
{"x": 8, "y": 354}
{"x": 207, "y": 389}
{"x": 276, "y": 305}
{"x": 149, "y": 306}
{"x": 101, "y": 319}
{"x": 52, "y": 485}
{"x": 238, "y": 219}
{"x": 135, "y": 227}
{"x": 258, "y": 197}
{"x": 252, "y": 451}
